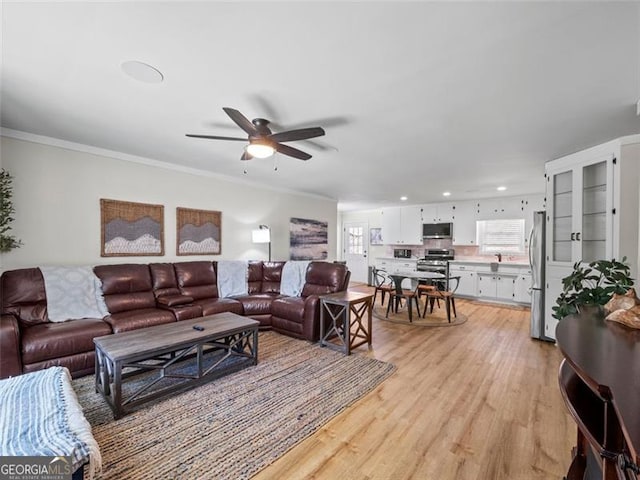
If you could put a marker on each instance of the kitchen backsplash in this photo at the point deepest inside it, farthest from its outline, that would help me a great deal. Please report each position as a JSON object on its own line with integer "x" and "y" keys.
{"x": 466, "y": 252}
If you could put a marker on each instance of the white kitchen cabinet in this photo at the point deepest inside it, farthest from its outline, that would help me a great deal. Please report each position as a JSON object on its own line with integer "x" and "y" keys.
{"x": 496, "y": 285}
{"x": 523, "y": 289}
{"x": 438, "y": 213}
{"x": 464, "y": 223}
{"x": 486, "y": 286}
{"x": 402, "y": 225}
{"x": 580, "y": 225}
{"x": 509, "y": 207}
{"x": 467, "y": 284}
{"x": 592, "y": 212}
{"x": 529, "y": 205}
{"x": 490, "y": 208}
{"x": 506, "y": 287}
{"x": 397, "y": 265}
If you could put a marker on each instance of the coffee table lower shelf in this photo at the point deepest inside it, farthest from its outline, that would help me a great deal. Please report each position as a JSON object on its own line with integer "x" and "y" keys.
{"x": 194, "y": 358}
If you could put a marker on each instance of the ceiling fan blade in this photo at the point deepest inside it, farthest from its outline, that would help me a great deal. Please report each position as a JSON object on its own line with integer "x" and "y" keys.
{"x": 215, "y": 137}
{"x": 246, "y": 156}
{"x": 301, "y": 134}
{"x": 326, "y": 122}
{"x": 292, "y": 152}
{"x": 243, "y": 122}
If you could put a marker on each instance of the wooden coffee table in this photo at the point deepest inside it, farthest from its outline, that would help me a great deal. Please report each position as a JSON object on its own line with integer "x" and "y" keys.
{"x": 226, "y": 343}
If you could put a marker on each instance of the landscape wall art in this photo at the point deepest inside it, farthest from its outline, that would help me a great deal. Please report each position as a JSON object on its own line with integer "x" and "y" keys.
{"x": 308, "y": 239}
{"x": 131, "y": 229}
{"x": 198, "y": 232}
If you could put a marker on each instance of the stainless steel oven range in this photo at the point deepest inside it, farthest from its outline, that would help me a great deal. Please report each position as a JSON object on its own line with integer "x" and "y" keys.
{"x": 436, "y": 260}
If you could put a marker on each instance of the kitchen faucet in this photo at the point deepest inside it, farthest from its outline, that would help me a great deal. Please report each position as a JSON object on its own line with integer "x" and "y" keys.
{"x": 499, "y": 255}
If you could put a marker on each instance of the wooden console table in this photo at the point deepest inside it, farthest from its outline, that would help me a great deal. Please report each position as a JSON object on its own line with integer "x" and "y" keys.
{"x": 600, "y": 383}
{"x": 349, "y": 330}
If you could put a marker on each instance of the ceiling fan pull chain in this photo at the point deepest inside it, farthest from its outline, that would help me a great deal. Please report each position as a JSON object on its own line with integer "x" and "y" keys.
{"x": 275, "y": 162}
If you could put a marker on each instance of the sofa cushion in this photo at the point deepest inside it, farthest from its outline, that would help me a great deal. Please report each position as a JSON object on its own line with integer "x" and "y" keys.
{"x": 140, "y": 318}
{"x": 53, "y": 340}
{"x": 196, "y": 279}
{"x": 287, "y": 316}
{"x": 22, "y": 295}
{"x": 79, "y": 364}
{"x": 323, "y": 278}
{"x": 211, "y": 306}
{"x": 163, "y": 278}
{"x": 173, "y": 300}
{"x": 126, "y": 287}
{"x": 185, "y": 312}
{"x": 254, "y": 277}
{"x": 258, "y": 303}
{"x": 291, "y": 308}
{"x": 271, "y": 276}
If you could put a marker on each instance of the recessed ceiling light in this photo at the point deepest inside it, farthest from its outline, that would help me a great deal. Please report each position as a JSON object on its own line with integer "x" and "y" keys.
{"x": 404, "y": 199}
{"x": 446, "y": 194}
{"x": 501, "y": 189}
{"x": 142, "y": 72}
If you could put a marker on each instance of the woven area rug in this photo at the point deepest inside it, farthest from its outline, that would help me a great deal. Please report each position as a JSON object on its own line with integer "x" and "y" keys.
{"x": 236, "y": 425}
{"x": 436, "y": 319}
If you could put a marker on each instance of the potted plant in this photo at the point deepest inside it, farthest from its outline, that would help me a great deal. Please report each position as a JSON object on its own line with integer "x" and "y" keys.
{"x": 592, "y": 285}
{"x": 7, "y": 242}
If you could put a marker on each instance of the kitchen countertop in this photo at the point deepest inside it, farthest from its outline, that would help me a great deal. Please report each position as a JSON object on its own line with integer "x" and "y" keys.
{"x": 414, "y": 259}
{"x": 478, "y": 261}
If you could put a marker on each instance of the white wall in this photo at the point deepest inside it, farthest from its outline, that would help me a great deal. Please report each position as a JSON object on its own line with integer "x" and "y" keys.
{"x": 57, "y": 192}
{"x": 374, "y": 220}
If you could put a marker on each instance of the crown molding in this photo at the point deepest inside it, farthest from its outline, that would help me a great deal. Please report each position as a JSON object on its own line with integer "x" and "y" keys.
{"x": 103, "y": 152}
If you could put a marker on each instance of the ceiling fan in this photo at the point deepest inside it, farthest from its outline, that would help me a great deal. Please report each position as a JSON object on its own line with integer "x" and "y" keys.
{"x": 262, "y": 142}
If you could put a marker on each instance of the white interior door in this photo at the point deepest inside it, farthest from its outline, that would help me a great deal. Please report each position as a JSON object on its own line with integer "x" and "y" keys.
{"x": 356, "y": 244}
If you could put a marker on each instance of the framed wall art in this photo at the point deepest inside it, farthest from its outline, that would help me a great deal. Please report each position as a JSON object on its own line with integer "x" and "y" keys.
{"x": 375, "y": 236}
{"x": 131, "y": 229}
{"x": 308, "y": 239}
{"x": 198, "y": 232}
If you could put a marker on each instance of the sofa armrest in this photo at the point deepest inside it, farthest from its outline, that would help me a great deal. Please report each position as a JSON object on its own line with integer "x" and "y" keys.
{"x": 311, "y": 321}
{"x": 10, "y": 359}
{"x": 173, "y": 300}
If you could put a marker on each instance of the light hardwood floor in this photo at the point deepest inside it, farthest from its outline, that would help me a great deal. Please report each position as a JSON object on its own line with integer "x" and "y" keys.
{"x": 476, "y": 401}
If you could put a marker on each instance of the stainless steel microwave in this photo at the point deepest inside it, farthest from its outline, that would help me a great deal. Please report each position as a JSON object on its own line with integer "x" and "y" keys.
{"x": 437, "y": 230}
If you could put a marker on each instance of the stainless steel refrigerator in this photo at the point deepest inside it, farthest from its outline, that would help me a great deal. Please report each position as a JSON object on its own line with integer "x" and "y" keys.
{"x": 537, "y": 263}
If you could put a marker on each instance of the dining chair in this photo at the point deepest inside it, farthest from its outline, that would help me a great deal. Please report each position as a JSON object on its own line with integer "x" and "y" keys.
{"x": 444, "y": 292}
{"x": 423, "y": 289}
{"x": 398, "y": 294}
{"x": 382, "y": 283}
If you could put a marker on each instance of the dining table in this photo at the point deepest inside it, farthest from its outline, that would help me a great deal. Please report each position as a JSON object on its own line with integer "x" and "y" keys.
{"x": 416, "y": 277}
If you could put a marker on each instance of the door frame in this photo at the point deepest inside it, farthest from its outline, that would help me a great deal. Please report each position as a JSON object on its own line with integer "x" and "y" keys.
{"x": 362, "y": 267}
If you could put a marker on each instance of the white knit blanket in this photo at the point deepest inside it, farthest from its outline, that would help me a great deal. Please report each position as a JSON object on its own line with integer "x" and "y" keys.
{"x": 73, "y": 292}
{"x": 294, "y": 274}
{"x": 232, "y": 278}
{"x": 41, "y": 416}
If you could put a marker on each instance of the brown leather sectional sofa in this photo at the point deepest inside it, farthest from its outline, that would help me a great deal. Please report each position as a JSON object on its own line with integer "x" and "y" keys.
{"x": 141, "y": 295}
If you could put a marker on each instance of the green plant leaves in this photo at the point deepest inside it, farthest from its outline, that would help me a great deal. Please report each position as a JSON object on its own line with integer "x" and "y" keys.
{"x": 592, "y": 284}
{"x": 7, "y": 242}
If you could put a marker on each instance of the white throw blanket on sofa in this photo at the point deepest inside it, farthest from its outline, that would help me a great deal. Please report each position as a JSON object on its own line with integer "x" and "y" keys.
{"x": 73, "y": 292}
{"x": 294, "y": 274}
{"x": 41, "y": 416}
{"x": 232, "y": 278}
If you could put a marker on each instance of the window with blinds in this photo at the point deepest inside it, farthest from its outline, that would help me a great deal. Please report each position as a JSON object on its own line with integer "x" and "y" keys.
{"x": 501, "y": 236}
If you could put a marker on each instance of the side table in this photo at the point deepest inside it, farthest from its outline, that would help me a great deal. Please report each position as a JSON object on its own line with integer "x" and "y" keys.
{"x": 346, "y": 312}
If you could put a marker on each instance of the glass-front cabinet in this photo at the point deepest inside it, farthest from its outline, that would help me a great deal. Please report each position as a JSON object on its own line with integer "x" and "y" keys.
{"x": 579, "y": 211}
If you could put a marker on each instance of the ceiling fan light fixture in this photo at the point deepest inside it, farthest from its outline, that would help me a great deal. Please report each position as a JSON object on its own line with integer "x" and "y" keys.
{"x": 260, "y": 150}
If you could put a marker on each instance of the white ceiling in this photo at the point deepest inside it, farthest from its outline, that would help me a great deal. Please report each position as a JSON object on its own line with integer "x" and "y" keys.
{"x": 416, "y": 98}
